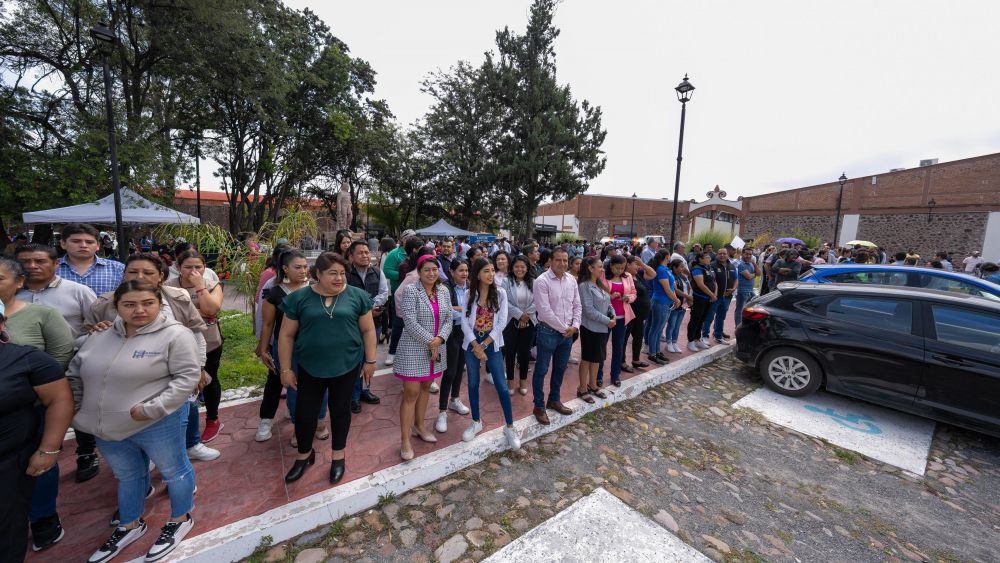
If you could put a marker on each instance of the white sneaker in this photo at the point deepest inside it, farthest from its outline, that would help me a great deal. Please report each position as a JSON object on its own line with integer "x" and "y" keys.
{"x": 435, "y": 387}
{"x": 693, "y": 346}
{"x": 171, "y": 536}
{"x": 703, "y": 345}
{"x": 201, "y": 452}
{"x": 119, "y": 539}
{"x": 457, "y": 406}
{"x": 152, "y": 465}
{"x": 671, "y": 348}
{"x": 264, "y": 430}
{"x": 441, "y": 425}
{"x": 723, "y": 341}
{"x": 574, "y": 360}
{"x": 488, "y": 380}
{"x": 389, "y": 359}
{"x": 475, "y": 428}
{"x": 512, "y": 440}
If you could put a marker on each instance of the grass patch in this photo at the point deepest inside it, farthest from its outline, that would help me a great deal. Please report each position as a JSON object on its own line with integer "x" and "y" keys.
{"x": 239, "y": 366}
{"x": 386, "y": 499}
{"x": 846, "y": 456}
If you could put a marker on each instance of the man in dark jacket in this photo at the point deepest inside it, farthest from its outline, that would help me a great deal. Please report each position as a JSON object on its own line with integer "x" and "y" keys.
{"x": 725, "y": 280}
{"x": 363, "y": 275}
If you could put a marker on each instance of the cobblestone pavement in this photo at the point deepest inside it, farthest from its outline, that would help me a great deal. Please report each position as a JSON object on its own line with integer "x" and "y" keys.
{"x": 727, "y": 482}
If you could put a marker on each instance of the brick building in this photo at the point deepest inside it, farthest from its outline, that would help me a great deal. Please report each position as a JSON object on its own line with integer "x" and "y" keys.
{"x": 215, "y": 208}
{"x": 952, "y": 206}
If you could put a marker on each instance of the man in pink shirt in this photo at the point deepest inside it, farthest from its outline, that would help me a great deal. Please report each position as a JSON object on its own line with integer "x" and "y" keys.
{"x": 557, "y": 302}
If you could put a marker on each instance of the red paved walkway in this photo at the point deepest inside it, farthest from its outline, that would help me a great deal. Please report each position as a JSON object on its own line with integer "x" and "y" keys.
{"x": 247, "y": 479}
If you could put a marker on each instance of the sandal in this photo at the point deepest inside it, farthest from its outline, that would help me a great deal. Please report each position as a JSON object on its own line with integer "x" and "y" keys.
{"x": 628, "y": 369}
{"x": 640, "y": 364}
{"x": 597, "y": 392}
{"x": 322, "y": 434}
{"x": 585, "y": 396}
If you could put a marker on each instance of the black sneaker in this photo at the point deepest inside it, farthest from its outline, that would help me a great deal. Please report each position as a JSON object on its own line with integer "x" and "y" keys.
{"x": 116, "y": 518}
{"x": 368, "y": 397}
{"x": 355, "y": 407}
{"x": 656, "y": 360}
{"x": 170, "y": 537}
{"x": 119, "y": 540}
{"x": 46, "y": 532}
{"x": 87, "y": 467}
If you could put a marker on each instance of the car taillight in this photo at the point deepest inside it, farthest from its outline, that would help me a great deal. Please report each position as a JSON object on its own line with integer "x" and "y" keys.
{"x": 755, "y": 314}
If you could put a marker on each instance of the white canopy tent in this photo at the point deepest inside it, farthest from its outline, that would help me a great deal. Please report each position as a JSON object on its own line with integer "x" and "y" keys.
{"x": 443, "y": 229}
{"x": 135, "y": 210}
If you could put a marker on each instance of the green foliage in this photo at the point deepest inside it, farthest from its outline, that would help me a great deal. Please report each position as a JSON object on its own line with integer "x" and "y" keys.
{"x": 566, "y": 237}
{"x": 715, "y": 237}
{"x": 811, "y": 240}
{"x": 239, "y": 366}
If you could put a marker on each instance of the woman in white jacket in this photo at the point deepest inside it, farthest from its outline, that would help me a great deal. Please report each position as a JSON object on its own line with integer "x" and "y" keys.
{"x": 129, "y": 384}
{"x": 483, "y": 323}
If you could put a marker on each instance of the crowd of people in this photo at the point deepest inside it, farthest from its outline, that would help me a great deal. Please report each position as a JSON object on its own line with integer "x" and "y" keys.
{"x": 124, "y": 353}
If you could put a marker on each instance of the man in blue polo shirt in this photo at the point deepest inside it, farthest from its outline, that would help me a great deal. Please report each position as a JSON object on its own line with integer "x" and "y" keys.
{"x": 746, "y": 274}
{"x": 82, "y": 265}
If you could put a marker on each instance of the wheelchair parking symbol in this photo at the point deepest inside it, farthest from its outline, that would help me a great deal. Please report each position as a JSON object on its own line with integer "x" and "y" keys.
{"x": 860, "y": 422}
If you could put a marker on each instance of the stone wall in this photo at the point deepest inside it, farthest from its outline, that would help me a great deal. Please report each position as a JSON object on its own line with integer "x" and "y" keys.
{"x": 210, "y": 214}
{"x": 776, "y": 225}
{"x": 958, "y": 233}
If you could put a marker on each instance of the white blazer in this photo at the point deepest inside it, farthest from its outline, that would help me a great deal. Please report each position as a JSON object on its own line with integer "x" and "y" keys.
{"x": 499, "y": 322}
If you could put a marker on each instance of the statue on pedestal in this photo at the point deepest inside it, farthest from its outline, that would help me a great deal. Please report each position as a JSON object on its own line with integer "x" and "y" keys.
{"x": 344, "y": 213}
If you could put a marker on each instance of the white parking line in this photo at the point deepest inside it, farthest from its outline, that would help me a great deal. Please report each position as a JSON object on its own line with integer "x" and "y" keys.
{"x": 884, "y": 434}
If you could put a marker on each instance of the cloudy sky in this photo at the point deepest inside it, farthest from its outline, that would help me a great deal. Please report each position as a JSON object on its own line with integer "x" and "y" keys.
{"x": 789, "y": 93}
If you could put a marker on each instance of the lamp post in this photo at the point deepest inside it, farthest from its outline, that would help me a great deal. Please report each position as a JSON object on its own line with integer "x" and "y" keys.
{"x": 197, "y": 176}
{"x": 840, "y": 198}
{"x": 684, "y": 90}
{"x": 105, "y": 41}
{"x": 930, "y": 208}
{"x": 632, "y": 221}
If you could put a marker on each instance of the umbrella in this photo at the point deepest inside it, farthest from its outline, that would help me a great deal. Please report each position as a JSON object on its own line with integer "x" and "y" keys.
{"x": 862, "y": 243}
{"x": 790, "y": 240}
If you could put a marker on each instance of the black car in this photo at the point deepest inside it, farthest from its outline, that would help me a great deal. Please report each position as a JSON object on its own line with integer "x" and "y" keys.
{"x": 927, "y": 352}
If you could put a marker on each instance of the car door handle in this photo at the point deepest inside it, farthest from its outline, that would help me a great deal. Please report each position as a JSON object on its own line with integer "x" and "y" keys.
{"x": 823, "y": 330}
{"x": 950, "y": 360}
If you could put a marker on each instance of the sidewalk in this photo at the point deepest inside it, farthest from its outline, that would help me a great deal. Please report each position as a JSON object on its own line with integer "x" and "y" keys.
{"x": 247, "y": 480}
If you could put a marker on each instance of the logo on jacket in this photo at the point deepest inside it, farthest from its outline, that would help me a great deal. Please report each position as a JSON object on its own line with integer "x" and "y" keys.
{"x": 141, "y": 354}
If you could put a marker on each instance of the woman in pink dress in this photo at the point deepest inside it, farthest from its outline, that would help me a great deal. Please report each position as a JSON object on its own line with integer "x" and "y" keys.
{"x": 427, "y": 322}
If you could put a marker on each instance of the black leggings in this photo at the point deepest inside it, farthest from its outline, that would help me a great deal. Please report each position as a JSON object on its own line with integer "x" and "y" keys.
{"x": 635, "y": 329}
{"x": 213, "y": 391}
{"x": 310, "y": 396}
{"x": 85, "y": 443}
{"x": 272, "y": 395}
{"x": 699, "y": 311}
{"x": 451, "y": 379}
{"x": 517, "y": 346}
{"x": 16, "y": 488}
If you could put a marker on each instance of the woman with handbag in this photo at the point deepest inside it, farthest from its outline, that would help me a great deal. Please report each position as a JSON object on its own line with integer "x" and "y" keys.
{"x": 596, "y": 321}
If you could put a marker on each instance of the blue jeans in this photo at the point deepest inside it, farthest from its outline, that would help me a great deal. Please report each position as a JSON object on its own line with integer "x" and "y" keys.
{"x": 189, "y": 424}
{"x": 658, "y": 320}
{"x": 292, "y": 394}
{"x": 617, "y": 351}
{"x": 741, "y": 300}
{"x": 716, "y": 312}
{"x": 163, "y": 442}
{"x": 674, "y": 324}
{"x": 356, "y": 394}
{"x": 46, "y": 489}
{"x": 495, "y": 367}
{"x": 552, "y": 347}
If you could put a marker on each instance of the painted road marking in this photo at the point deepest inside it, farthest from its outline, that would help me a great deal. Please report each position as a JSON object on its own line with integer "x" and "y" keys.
{"x": 884, "y": 434}
{"x": 580, "y": 533}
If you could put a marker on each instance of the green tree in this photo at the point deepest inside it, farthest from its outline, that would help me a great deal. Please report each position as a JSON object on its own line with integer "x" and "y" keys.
{"x": 550, "y": 145}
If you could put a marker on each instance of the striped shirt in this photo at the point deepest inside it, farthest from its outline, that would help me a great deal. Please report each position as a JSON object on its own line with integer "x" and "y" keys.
{"x": 102, "y": 276}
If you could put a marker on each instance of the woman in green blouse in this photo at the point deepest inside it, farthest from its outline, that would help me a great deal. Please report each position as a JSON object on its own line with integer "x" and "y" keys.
{"x": 330, "y": 328}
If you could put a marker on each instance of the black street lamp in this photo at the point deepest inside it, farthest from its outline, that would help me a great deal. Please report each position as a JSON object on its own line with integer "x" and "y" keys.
{"x": 684, "y": 90}
{"x": 197, "y": 176}
{"x": 840, "y": 198}
{"x": 930, "y": 208}
{"x": 632, "y": 221}
{"x": 105, "y": 41}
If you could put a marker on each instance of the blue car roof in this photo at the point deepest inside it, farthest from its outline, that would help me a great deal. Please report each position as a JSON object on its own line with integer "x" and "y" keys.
{"x": 823, "y": 270}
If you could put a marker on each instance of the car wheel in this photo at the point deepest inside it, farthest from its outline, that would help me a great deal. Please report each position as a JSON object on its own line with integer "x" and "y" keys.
{"x": 791, "y": 372}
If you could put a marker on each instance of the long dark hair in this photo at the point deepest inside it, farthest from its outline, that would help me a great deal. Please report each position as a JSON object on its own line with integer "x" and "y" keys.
{"x": 657, "y": 260}
{"x": 529, "y": 276}
{"x": 492, "y": 296}
{"x": 286, "y": 258}
{"x": 585, "y": 275}
{"x": 341, "y": 235}
{"x": 617, "y": 259}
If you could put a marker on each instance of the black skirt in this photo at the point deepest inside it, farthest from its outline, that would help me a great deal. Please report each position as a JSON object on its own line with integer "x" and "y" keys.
{"x": 593, "y": 345}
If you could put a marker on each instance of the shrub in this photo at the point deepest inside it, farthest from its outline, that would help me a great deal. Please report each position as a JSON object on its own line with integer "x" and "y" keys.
{"x": 566, "y": 237}
{"x": 715, "y": 237}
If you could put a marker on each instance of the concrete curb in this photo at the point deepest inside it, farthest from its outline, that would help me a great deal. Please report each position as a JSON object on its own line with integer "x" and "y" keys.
{"x": 238, "y": 540}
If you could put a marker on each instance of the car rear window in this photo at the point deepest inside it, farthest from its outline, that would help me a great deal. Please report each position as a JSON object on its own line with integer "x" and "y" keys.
{"x": 966, "y": 327}
{"x": 890, "y": 314}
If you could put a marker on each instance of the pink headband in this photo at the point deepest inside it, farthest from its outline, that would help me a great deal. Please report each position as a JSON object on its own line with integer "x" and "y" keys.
{"x": 423, "y": 259}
